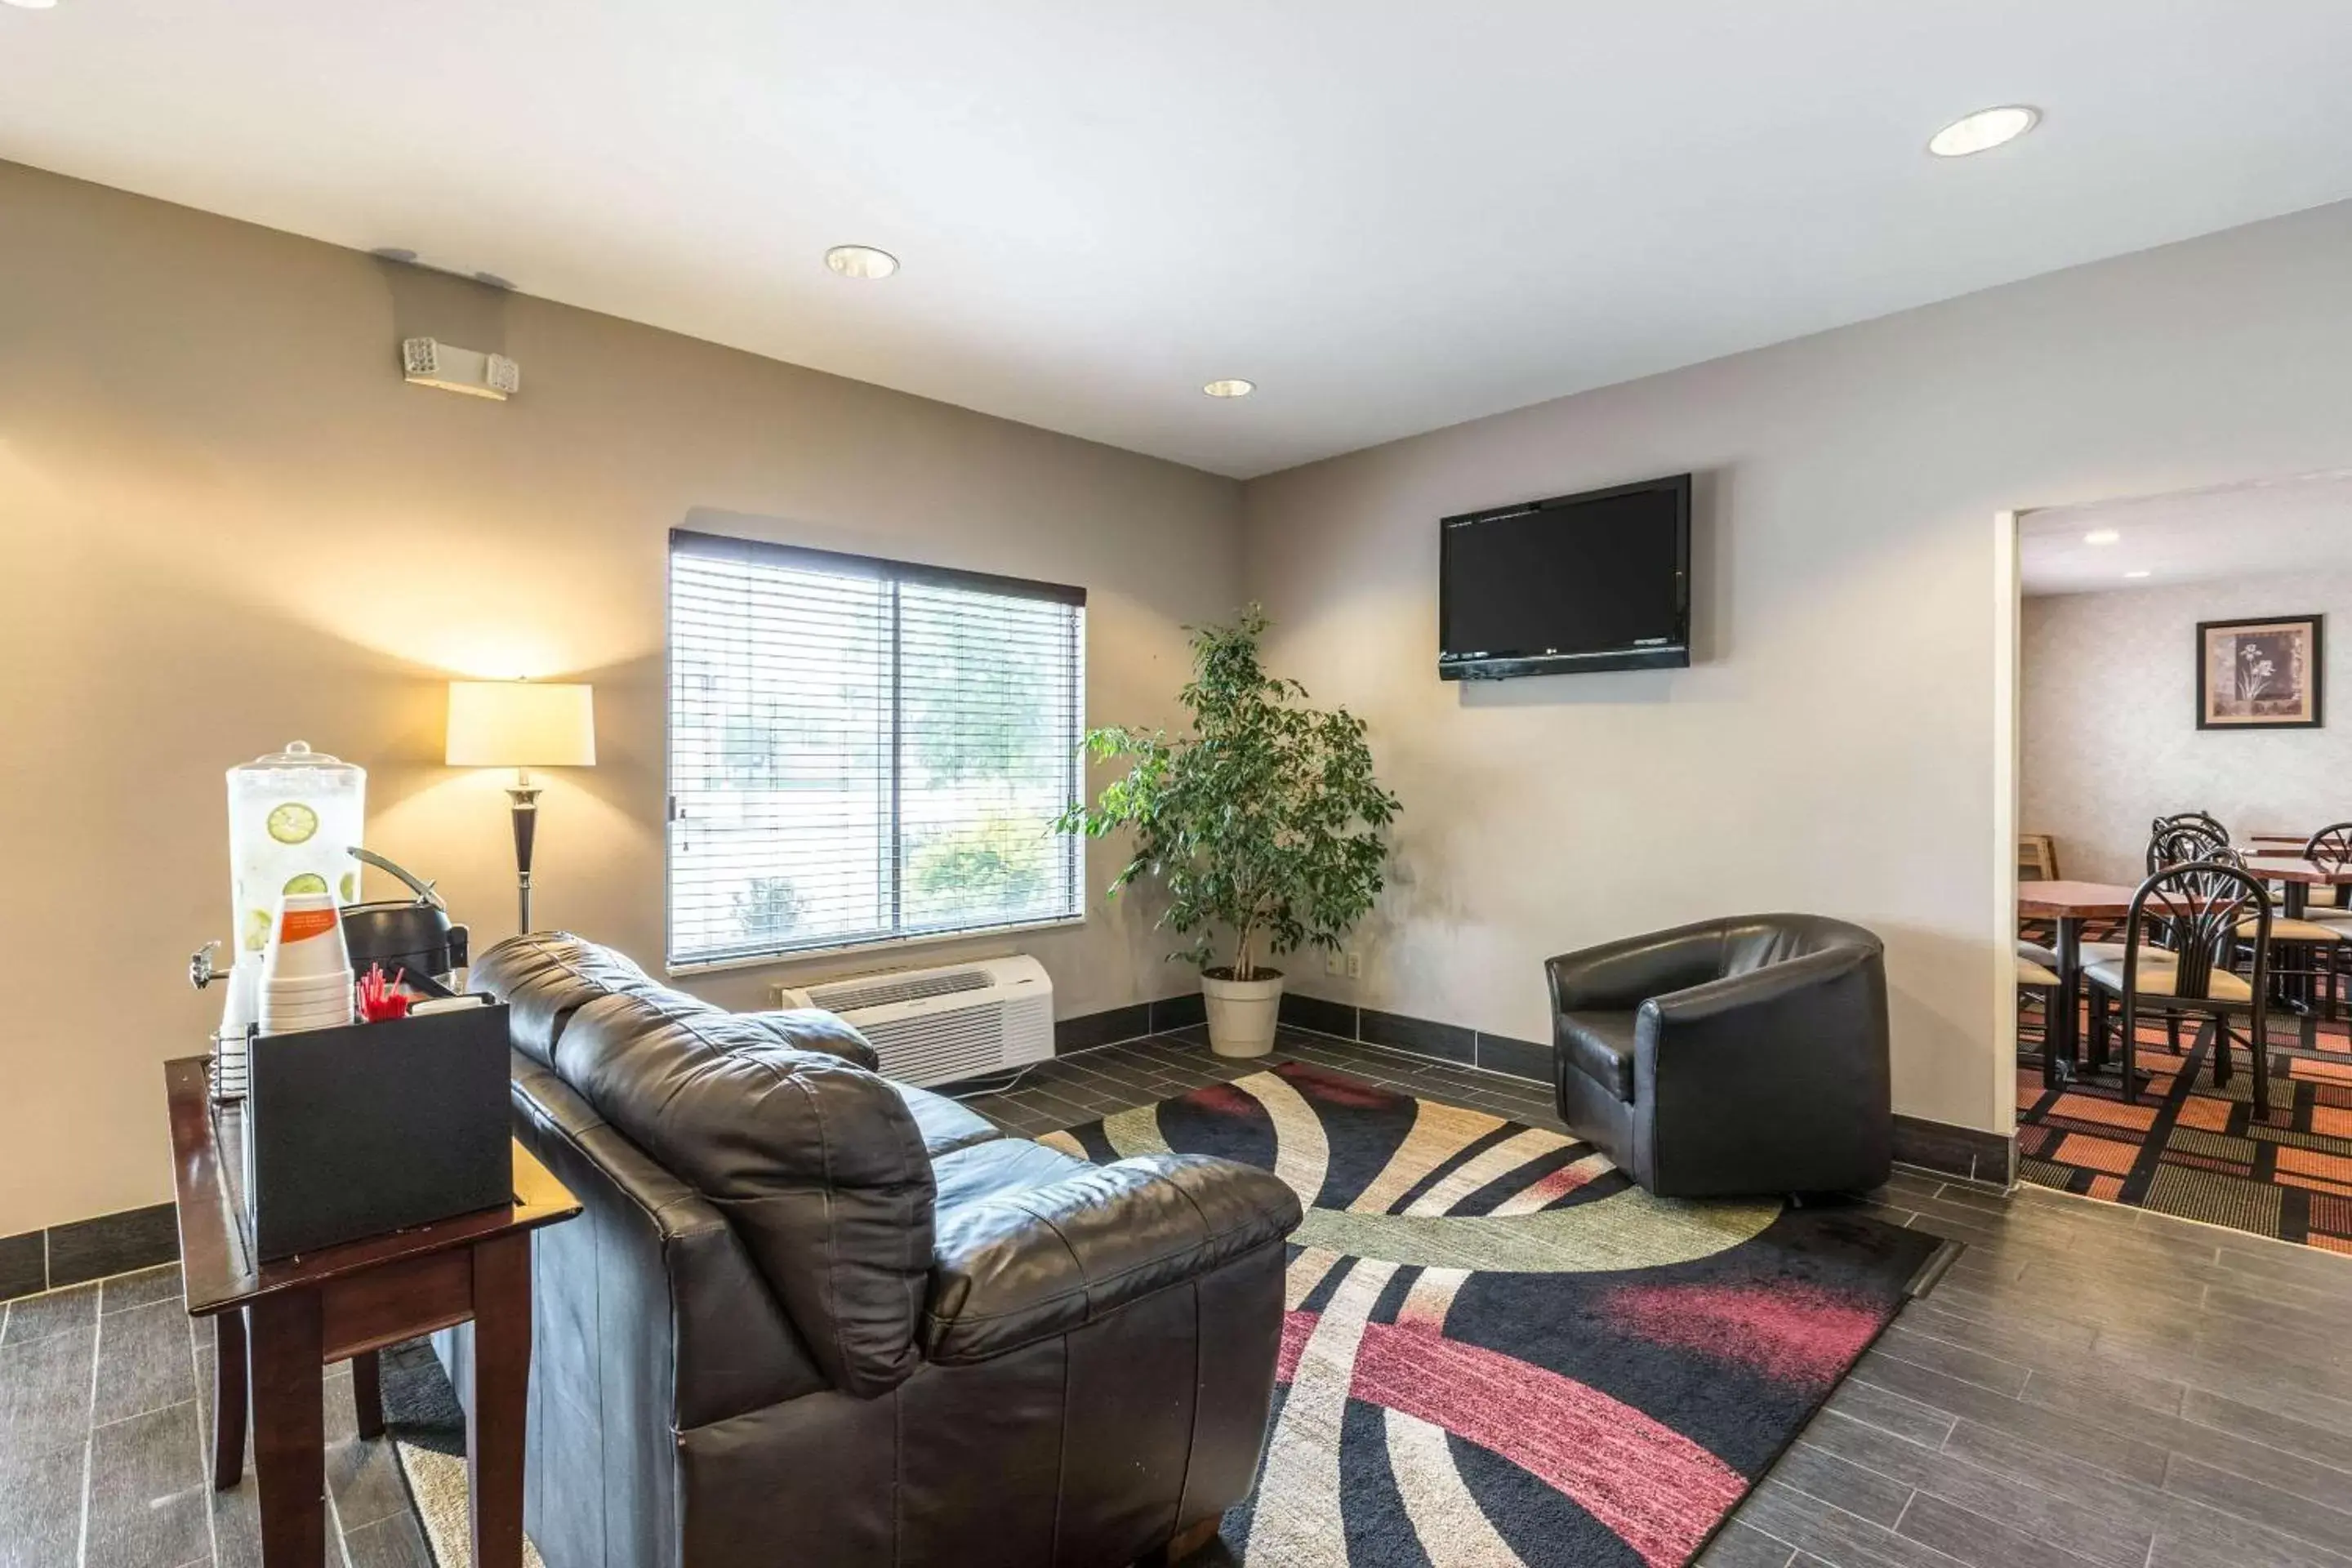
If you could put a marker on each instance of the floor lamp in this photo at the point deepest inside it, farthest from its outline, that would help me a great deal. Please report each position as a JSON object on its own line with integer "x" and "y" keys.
{"x": 523, "y": 725}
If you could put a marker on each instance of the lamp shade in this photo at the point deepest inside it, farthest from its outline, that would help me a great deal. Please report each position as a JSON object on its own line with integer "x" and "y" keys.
{"x": 522, "y": 724}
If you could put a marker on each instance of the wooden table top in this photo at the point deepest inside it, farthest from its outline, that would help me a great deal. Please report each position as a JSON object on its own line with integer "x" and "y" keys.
{"x": 2295, "y": 868}
{"x": 2075, "y": 901}
{"x": 215, "y": 1256}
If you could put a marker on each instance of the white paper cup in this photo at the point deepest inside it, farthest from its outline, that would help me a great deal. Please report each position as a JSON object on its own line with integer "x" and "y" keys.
{"x": 307, "y": 942}
{"x": 311, "y": 990}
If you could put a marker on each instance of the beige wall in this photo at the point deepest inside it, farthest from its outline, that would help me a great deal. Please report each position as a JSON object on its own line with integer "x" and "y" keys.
{"x": 2108, "y": 692}
{"x": 1834, "y": 748}
{"x": 228, "y": 523}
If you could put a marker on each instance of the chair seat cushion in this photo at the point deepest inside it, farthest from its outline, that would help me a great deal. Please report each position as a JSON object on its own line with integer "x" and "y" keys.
{"x": 2158, "y": 980}
{"x": 2035, "y": 952}
{"x": 945, "y": 1125}
{"x": 2298, "y": 931}
{"x": 2034, "y": 974}
{"x": 2112, "y": 952}
{"x": 1600, "y": 1047}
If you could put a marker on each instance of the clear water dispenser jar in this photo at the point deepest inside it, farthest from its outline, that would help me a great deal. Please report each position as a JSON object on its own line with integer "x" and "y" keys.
{"x": 293, "y": 819}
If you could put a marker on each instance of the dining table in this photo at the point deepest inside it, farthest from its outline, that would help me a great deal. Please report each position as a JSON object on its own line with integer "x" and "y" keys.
{"x": 2067, "y": 905}
{"x": 2297, "y": 877}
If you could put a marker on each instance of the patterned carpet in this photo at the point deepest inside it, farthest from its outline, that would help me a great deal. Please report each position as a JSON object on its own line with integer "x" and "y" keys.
{"x": 1501, "y": 1352}
{"x": 2192, "y": 1149}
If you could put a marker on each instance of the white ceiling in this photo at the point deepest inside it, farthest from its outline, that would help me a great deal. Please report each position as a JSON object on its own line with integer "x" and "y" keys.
{"x": 2264, "y": 529}
{"x": 1393, "y": 215}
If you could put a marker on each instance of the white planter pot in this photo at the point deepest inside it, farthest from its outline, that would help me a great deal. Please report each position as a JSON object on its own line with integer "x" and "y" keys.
{"x": 1241, "y": 1013}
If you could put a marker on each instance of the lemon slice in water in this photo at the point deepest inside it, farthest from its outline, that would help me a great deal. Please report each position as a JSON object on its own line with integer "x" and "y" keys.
{"x": 350, "y": 888}
{"x": 256, "y": 930}
{"x": 293, "y": 822}
{"x": 308, "y": 882}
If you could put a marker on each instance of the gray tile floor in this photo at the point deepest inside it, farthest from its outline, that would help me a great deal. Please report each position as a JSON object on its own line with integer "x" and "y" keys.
{"x": 2089, "y": 1384}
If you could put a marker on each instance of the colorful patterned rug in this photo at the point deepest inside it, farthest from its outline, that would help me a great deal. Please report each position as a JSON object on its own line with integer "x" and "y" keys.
{"x": 1501, "y": 1352}
{"x": 2195, "y": 1149}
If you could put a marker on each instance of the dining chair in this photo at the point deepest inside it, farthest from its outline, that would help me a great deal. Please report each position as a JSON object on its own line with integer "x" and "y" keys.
{"x": 2331, "y": 848}
{"x": 2037, "y": 984}
{"x": 2037, "y": 857}
{"x": 2203, "y": 906}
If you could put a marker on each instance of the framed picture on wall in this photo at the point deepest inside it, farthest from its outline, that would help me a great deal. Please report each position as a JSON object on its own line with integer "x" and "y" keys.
{"x": 2259, "y": 675}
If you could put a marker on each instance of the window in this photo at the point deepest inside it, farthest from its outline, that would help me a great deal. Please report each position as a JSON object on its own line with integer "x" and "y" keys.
{"x": 865, "y": 751}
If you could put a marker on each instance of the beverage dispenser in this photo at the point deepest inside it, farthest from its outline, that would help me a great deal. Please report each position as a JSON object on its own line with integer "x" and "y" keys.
{"x": 294, "y": 817}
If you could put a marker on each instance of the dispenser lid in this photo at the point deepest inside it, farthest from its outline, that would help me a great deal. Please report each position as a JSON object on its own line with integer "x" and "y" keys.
{"x": 297, "y": 754}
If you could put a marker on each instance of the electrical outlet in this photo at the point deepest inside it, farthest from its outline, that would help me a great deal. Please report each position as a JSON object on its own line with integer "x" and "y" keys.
{"x": 1355, "y": 966}
{"x": 1333, "y": 962}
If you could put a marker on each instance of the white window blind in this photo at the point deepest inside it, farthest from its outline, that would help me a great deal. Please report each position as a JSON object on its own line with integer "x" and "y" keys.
{"x": 865, "y": 751}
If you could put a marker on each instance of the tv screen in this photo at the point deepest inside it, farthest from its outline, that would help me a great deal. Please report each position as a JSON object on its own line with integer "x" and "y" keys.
{"x": 1598, "y": 581}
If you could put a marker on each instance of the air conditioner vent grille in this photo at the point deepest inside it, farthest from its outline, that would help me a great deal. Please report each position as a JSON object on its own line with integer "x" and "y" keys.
{"x": 941, "y": 1047}
{"x": 885, "y": 990}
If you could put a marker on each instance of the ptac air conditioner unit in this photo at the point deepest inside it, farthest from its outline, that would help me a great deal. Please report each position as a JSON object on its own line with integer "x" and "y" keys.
{"x": 935, "y": 1025}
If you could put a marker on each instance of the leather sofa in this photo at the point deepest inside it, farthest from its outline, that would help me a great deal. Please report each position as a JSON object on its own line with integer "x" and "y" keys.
{"x": 1734, "y": 1056}
{"x": 811, "y": 1315}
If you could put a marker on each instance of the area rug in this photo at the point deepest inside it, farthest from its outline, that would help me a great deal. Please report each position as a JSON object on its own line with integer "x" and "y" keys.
{"x": 1499, "y": 1351}
{"x": 2191, "y": 1148}
{"x": 428, "y": 1428}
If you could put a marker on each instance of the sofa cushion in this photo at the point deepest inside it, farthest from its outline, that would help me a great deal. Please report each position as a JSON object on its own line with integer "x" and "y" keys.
{"x": 946, "y": 1126}
{"x": 817, "y": 1163}
{"x": 1600, "y": 1047}
{"x": 998, "y": 1169}
{"x": 544, "y": 979}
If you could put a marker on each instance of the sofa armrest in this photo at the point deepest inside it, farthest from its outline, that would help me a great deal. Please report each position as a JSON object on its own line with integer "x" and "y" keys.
{"x": 1009, "y": 1271}
{"x": 1619, "y": 976}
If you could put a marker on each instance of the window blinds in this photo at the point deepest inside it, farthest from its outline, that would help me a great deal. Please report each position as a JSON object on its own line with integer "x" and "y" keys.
{"x": 862, "y": 751}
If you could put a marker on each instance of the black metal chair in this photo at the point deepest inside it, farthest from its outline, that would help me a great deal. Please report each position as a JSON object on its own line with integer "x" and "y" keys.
{"x": 2204, "y": 908}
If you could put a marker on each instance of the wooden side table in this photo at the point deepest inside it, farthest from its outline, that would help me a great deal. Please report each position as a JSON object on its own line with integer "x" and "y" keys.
{"x": 288, "y": 1318}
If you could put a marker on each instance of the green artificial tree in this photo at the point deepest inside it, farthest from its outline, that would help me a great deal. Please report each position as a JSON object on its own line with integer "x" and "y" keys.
{"x": 1264, "y": 823}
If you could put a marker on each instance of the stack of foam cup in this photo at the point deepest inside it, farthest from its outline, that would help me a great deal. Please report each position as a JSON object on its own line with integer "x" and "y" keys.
{"x": 305, "y": 971}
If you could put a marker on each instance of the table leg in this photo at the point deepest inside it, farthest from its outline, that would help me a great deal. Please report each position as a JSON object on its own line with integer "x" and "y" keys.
{"x": 228, "y": 1399}
{"x": 497, "y": 1412}
{"x": 367, "y": 1393}
{"x": 2059, "y": 1039}
{"x": 288, "y": 1428}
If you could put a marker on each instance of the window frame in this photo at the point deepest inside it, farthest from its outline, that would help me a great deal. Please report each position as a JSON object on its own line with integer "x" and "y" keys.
{"x": 695, "y": 542}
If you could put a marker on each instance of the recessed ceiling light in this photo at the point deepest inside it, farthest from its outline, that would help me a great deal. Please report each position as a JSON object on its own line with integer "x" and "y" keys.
{"x": 2100, "y": 536}
{"x": 861, "y": 262}
{"x": 30, "y": 4}
{"x": 1235, "y": 388}
{"x": 2135, "y": 574}
{"x": 1983, "y": 130}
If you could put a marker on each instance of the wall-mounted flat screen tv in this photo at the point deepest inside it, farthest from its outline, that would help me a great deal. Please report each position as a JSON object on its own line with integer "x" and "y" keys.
{"x": 1598, "y": 581}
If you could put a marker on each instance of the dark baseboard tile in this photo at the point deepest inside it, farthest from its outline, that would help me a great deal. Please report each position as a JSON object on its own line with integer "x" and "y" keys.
{"x": 1514, "y": 1058}
{"x": 1107, "y": 1027}
{"x": 1086, "y": 1031}
{"x": 1177, "y": 1011}
{"x": 1964, "y": 1154}
{"x": 24, "y": 1264}
{"x": 87, "y": 1249}
{"x": 1318, "y": 1013}
{"x": 1421, "y": 1037}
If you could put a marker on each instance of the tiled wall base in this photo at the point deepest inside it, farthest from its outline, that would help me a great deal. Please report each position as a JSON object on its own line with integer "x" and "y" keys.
{"x": 1958, "y": 1151}
{"x": 1439, "y": 1042}
{"x": 63, "y": 1255}
{"x": 1986, "y": 1158}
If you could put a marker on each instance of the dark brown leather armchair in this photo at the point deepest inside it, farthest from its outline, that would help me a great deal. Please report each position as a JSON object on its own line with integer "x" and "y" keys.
{"x": 810, "y": 1315}
{"x": 1734, "y": 1056}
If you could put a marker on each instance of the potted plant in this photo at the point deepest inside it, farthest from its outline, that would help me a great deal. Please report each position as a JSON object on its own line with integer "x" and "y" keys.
{"x": 1264, "y": 823}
